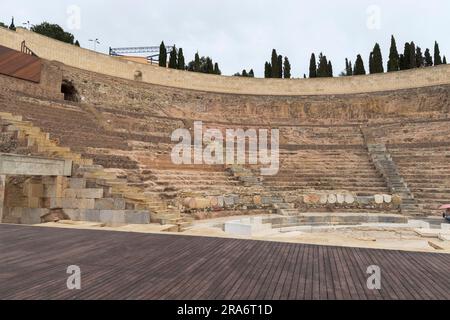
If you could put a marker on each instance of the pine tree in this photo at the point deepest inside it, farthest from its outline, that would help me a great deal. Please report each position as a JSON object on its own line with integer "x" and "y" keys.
{"x": 77, "y": 43}
{"x": 330, "y": 69}
{"x": 444, "y": 60}
{"x": 251, "y": 74}
{"x": 181, "y": 63}
{"x": 437, "y": 54}
{"x": 268, "y": 70}
{"x": 173, "y": 64}
{"x": 419, "y": 58}
{"x": 359, "y": 66}
{"x": 377, "y": 60}
{"x": 280, "y": 67}
{"x": 287, "y": 68}
{"x": 428, "y": 58}
{"x": 244, "y": 73}
{"x": 162, "y": 55}
{"x": 197, "y": 63}
{"x": 275, "y": 67}
{"x": 312, "y": 66}
{"x": 412, "y": 55}
{"x": 216, "y": 69}
{"x": 12, "y": 26}
{"x": 393, "y": 63}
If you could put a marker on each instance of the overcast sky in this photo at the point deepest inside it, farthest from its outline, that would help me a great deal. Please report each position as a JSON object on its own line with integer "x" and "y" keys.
{"x": 241, "y": 33}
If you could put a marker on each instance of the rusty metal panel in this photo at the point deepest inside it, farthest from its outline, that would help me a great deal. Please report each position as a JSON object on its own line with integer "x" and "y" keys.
{"x": 20, "y": 65}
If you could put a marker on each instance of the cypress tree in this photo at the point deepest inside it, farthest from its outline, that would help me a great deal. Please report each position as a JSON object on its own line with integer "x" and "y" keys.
{"x": 181, "y": 63}
{"x": 287, "y": 68}
{"x": 12, "y": 26}
{"x": 359, "y": 66}
{"x": 348, "y": 68}
{"x": 268, "y": 70}
{"x": 251, "y": 74}
{"x": 419, "y": 58}
{"x": 402, "y": 62}
{"x": 437, "y": 54}
{"x": 312, "y": 66}
{"x": 280, "y": 67}
{"x": 275, "y": 66}
{"x": 197, "y": 64}
{"x": 444, "y": 61}
{"x": 77, "y": 43}
{"x": 330, "y": 69}
{"x": 216, "y": 69}
{"x": 412, "y": 55}
{"x": 428, "y": 58}
{"x": 304, "y": 76}
{"x": 371, "y": 64}
{"x": 244, "y": 73}
{"x": 162, "y": 55}
{"x": 209, "y": 66}
{"x": 173, "y": 64}
{"x": 322, "y": 69}
{"x": 393, "y": 63}
{"x": 377, "y": 59}
{"x": 406, "y": 57}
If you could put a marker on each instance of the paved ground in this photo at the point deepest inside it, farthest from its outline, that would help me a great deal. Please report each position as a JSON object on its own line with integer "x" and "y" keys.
{"x": 119, "y": 265}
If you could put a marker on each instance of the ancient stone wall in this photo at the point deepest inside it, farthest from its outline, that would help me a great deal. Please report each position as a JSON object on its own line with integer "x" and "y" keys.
{"x": 88, "y": 60}
{"x": 131, "y": 99}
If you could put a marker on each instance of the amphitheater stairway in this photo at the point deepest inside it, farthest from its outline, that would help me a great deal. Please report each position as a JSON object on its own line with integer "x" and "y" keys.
{"x": 39, "y": 143}
{"x": 384, "y": 163}
{"x": 426, "y": 169}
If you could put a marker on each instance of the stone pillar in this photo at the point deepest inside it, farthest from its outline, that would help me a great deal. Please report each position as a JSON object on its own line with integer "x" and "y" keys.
{"x": 2, "y": 195}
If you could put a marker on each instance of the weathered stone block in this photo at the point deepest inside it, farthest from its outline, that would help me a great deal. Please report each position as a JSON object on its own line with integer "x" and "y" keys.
{"x": 76, "y": 183}
{"x": 30, "y": 216}
{"x": 91, "y": 215}
{"x": 77, "y": 203}
{"x": 228, "y": 201}
{"x": 83, "y": 193}
{"x": 110, "y": 204}
{"x": 73, "y": 214}
{"x": 112, "y": 217}
{"x": 34, "y": 190}
{"x": 137, "y": 217}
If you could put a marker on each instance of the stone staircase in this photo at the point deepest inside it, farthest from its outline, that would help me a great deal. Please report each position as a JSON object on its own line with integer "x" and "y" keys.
{"x": 38, "y": 143}
{"x": 383, "y": 162}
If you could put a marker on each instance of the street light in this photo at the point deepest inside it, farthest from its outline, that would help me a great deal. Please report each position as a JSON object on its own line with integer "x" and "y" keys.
{"x": 95, "y": 41}
{"x": 28, "y": 25}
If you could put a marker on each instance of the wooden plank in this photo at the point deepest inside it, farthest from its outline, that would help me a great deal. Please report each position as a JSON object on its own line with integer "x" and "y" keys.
{"x": 119, "y": 265}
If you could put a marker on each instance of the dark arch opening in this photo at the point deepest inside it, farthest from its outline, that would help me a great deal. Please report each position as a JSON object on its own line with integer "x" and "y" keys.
{"x": 69, "y": 91}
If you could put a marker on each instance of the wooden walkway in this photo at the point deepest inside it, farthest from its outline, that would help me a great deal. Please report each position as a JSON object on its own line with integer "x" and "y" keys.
{"x": 116, "y": 265}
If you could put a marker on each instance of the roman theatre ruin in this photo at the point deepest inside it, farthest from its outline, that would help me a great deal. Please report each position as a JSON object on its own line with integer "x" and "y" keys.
{"x": 363, "y": 160}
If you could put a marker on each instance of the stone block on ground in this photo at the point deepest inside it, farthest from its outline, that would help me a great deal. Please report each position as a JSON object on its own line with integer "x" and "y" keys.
{"x": 137, "y": 217}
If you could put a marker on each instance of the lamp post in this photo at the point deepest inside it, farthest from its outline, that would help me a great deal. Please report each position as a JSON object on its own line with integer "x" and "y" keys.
{"x": 28, "y": 25}
{"x": 95, "y": 41}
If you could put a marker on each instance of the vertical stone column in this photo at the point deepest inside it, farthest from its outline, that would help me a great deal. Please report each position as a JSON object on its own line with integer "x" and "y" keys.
{"x": 2, "y": 195}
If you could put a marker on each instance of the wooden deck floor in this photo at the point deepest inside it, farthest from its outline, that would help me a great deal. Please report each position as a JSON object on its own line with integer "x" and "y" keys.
{"x": 116, "y": 265}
